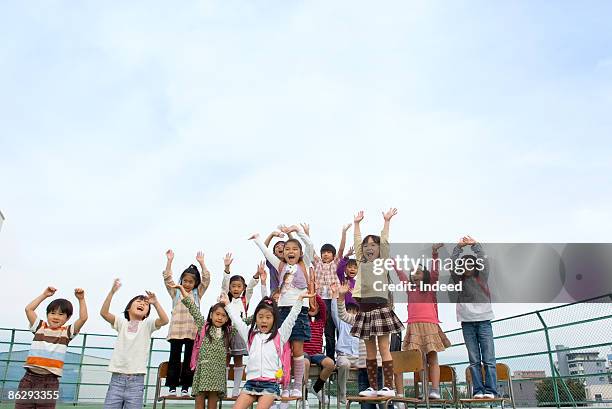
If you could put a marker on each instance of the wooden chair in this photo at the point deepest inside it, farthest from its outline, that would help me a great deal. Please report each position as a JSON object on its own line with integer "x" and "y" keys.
{"x": 403, "y": 361}
{"x": 447, "y": 376}
{"x": 503, "y": 374}
{"x": 162, "y": 373}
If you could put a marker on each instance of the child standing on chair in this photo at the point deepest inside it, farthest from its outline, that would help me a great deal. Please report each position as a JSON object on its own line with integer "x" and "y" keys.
{"x": 215, "y": 333}
{"x": 294, "y": 278}
{"x": 475, "y": 313}
{"x": 182, "y": 330}
{"x": 376, "y": 319}
{"x": 424, "y": 333}
{"x": 239, "y": 294}
{"x": 266, "y": 341}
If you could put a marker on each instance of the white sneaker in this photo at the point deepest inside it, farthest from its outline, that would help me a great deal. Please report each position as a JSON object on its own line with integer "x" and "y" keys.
{"x": 386, "y": 392}
{"x": 478, "y": 396}
{"x": 185, "y": 392}
{"x": 172, "y": 392}
{"x": 434, "y": 395}
{"x": 400, "y": 405}
{"x": 488, "y": 396}
{"x": 306, "y": 404}
{"x": 368, "y": 393}
{"x": 285, "y": 393}
{"x": 295, "y": 393}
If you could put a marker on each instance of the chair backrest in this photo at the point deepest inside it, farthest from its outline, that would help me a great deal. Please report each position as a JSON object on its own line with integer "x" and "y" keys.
{"x": 407, "y": 361}
{"x": 502, "y": 370}
{"x": 162, "y": 370}
{"x": 447, "y": 374}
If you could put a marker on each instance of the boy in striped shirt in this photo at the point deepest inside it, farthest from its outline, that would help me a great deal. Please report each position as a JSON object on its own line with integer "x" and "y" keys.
{"x": 45, "y": 362}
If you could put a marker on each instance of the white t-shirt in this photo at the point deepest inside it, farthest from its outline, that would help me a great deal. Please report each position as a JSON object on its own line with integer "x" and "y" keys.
{"x": 132, "y": 345}
{"x": 470, "y": 312}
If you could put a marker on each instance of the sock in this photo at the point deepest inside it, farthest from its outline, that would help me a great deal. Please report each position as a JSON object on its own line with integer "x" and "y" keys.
{"x": 388, "y": 374}
{"x": 298, "y": 372}
{"x": 318, "y": 385}
{"x": 238, "y": 371}
{"x": 372, "y": 369}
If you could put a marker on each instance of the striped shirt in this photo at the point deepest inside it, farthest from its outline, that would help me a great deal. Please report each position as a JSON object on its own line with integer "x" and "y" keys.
{"x": 317, "y": 328}
{"x": 182, "y": 325}
{"x": 48, "y": 349}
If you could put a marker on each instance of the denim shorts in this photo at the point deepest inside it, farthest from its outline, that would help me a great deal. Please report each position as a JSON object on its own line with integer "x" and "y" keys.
{"x": 315, "y": 359}
{"x": 301, "y": 329}
{"x": 261, "y": 388}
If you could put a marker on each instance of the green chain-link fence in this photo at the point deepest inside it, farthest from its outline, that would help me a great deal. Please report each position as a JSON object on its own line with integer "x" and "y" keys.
{"x": 558, "y": 356}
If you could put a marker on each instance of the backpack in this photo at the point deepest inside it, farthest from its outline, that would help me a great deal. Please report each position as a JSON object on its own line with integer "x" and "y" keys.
{"x": 177, "y": 298}
{"x": 197, "y": 345}
{"x": 284, "y": 354}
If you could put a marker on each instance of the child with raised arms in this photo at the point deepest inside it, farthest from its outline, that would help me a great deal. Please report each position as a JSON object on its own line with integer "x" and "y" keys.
{"x": 376, "y": 319}
{"x": 45, "y": 361}
{"x": 239, "y": 294}
{"x": 424, "y": 333}
{"x": 209, "y": 381}
{"x": 128, "y": 364}
{"x": 182, "y": 330}
{"x": 294, "y": 278}
{"x": 263, "y": 337}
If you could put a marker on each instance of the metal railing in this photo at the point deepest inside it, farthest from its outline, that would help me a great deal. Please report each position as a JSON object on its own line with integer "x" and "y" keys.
{"x": 545, "y": 342}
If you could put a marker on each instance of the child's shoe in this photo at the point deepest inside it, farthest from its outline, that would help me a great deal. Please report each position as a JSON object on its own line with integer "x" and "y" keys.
{"x": 368, "y": 393}
{"x": 172, "y": 392}
{"x": 386, "y": 392}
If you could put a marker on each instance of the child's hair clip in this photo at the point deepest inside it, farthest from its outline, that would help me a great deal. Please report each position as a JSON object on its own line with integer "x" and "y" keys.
{"x": 269, "y": 302}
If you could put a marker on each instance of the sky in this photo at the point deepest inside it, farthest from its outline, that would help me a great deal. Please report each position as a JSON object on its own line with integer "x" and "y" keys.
{"x": 131, "y": 128}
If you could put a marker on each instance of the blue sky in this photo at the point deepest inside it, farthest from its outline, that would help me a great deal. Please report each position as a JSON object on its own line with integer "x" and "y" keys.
{"x": 128, "y": 129}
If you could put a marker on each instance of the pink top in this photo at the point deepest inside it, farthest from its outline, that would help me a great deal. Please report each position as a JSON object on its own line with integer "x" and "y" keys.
{"x": 422, "y": 305}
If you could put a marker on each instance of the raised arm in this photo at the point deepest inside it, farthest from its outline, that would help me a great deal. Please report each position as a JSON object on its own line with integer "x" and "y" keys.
{"x": 454, "y": 257}
{"x": 340, "y": 252}
{"x": 341, "y": 269}
{"x": 227, "y": 262}
{"x": 435, "y": 267}
{"x": 275, "y": 233}
{"x": 309, "y": 253}
{"x": 205, "y": 279}
{"x": 480, "y": 254}
{"x": 237, "y": 322}
{"x": 342, "y": 313}
{"x": 104, "y": 311}
{"x": 30, "y": 309}
{"x": 265, "y": 251}
{"x": 357, "y": 236}
{"x": 163, "y": 317}
{"x": 251, "y": 286}
{"x": 79, "y": 293}
{"x": 167, "y": 274}
{"x": 384, "y": 236}
{"x": 263, "y": 275}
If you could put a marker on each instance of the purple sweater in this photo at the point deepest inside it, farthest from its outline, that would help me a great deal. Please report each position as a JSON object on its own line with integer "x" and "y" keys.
{"x": 348, "y": 297}
{"x": 273, "y": 276}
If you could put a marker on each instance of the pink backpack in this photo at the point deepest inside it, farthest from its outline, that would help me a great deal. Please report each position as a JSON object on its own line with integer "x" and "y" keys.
{"x": 197, "y": 344}
{"x": 284, "y": 352}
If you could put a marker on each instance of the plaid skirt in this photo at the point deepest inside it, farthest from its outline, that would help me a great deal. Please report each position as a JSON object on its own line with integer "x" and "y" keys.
{"x": 379, "y": 321}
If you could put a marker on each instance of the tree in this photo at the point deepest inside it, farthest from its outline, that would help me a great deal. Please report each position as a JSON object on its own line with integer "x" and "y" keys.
{"x": 545, "y": 392}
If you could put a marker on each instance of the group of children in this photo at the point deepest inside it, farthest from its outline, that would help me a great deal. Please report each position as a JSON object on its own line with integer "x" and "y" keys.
{"x": 330, "y": 299}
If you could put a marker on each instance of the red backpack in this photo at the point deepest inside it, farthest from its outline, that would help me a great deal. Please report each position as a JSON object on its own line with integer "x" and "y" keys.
{"x": 284, "y": 353}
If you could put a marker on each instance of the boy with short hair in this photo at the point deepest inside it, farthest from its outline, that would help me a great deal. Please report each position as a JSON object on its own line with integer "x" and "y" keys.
{"x": 45, "y": 362}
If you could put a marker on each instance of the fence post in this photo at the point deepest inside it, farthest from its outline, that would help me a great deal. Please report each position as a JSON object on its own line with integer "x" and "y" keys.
{"x": 148, "y": 370}
{"x": 8, "y": 361}
{"x": 78, "y": 385}
{"x": 550, "y": 360}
